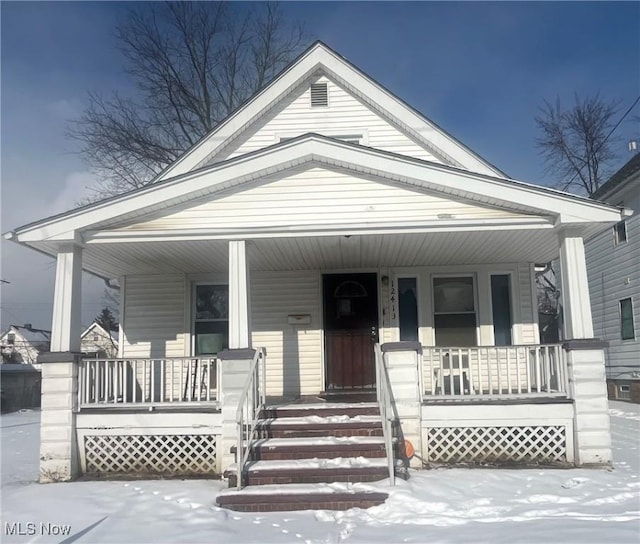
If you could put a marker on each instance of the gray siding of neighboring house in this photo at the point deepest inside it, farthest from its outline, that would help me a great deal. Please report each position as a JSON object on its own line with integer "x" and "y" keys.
{"x": 614, "y": 274}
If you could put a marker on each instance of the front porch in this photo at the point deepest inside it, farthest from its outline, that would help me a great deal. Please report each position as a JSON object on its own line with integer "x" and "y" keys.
{"x": 132, "y": 409}
{"x": 449, "y": 299}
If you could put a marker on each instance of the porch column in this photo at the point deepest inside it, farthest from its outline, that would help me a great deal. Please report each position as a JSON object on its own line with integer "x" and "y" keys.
{"x": 576, "y": 302}
{"x": 585, "y": 357}
{"x": 58, "y": 442}
{"x": 239, "y": 330}
{"x": 65, "y": 326}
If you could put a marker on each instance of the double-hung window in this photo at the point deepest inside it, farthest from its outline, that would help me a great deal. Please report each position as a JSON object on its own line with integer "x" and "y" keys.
{"x": 627, "y": 331}
{"x": 620, "y": 232}
{"x": 211, "y": 319}
{"x": 454, "y": 307}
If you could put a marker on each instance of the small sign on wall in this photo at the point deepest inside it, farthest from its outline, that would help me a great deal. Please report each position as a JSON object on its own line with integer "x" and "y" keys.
{"x": 299, "y": 319}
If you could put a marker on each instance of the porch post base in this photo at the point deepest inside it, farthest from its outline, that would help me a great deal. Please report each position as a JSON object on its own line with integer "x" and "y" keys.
{"x": 591, "y": 427}
{"x": 59, "y": 455}
{"x": 234, "y": 366}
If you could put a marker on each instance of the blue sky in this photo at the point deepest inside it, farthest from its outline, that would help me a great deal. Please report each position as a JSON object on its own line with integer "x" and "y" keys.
{"x": 479, "y": 70}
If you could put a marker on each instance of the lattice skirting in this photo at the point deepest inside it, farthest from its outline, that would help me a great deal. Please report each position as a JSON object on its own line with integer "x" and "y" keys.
{"x": 496, "y": 444}
{"x": 166, "y": 454}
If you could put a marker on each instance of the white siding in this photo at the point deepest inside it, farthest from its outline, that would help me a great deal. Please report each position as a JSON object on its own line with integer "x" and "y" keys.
{"x": 345, "y": 115}
{"x": 318, "y": 196}
{"x": 527, "y": 321}
{"x": 153, "y": 316}
{"x": 294, "y": 352}
{"x": 614, "y": 274}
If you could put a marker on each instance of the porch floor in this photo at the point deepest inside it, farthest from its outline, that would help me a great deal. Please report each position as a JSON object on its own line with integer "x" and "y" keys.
{"x": 327, "y": 397}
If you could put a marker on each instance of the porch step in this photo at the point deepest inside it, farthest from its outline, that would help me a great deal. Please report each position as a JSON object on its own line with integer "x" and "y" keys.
{"x": 269, "y": 498}
{"x": 319, "y": 426}
{"x": 311, "y": 456}
{"x": 306, "y": 471}
{"x": 325, "y": 447}
{"x": 320, "y": 409}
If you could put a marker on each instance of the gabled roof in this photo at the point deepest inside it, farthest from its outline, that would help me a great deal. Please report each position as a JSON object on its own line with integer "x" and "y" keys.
{"x": 619, "y": 179}
{"x": 29, "y": 334}
{"x": 320, "y": 58}
{"x": 98, "y": 328}
{"x": 320, "y": 150}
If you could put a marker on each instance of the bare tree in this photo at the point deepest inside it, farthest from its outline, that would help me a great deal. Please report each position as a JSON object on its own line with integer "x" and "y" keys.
{"x": 575, "y": 142}
{"x": 192, "y": 64}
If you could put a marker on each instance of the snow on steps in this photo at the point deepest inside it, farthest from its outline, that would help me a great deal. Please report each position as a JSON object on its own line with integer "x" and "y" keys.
{"x": 328, "y": 446}
{"x": 317, "y": 425}
{"x": 274, "y": 498}
{"x": 317, "y": 447}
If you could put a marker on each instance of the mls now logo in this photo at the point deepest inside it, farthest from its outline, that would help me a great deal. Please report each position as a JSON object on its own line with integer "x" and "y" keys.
{"x": 31, "y": 529}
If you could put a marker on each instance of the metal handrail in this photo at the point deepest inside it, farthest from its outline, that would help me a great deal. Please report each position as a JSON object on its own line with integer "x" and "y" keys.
{"x": 252, "y": 400}
{"x": 383, "y": 392}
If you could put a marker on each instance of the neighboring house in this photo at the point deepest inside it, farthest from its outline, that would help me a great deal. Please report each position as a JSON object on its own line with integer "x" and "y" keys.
{"x": 613, "y": 264}
{"x": 23, "y": 344}
{"x": 324, "y": 240}
{"x": 97, "y": 342}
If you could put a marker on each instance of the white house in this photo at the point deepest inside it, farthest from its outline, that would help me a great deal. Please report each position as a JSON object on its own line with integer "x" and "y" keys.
{"x": 325, "y": 241}
{"x": 98, "y": 342}
{"x": 23, "y": 344}
{"x": 613, "y": 265}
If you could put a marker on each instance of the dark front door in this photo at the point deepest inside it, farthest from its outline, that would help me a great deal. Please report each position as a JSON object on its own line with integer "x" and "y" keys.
{"x": 351, "y": 329}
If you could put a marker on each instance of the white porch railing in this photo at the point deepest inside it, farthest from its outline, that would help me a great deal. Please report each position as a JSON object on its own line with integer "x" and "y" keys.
{"x": 252, "y": 401}
{"x": 105, "y": 383}
{"x": 383, "y": 391}
{"x": 516, "y": 371}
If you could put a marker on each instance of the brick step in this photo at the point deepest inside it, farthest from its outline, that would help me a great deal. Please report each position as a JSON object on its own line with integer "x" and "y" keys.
{"x": 321, "y": 409}
{"x": 298, "y": 497}
{"x": 307, "y": 471}
{"x": 315, "y": 426}
{"x": 316, "y": 447}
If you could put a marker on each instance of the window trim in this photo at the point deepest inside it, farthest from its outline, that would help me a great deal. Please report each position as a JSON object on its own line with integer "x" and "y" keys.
{"x": 476, "y": 303}
{"x": 633, "y": 330}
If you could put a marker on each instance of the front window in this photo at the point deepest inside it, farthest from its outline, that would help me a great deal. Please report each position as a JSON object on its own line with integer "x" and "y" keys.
{"x": 501, "y": 309}
{"x": 408, "y": 309}
{"x": 211, "y": 319}
{"x": 11, "y": 339}
{"x": 454, "y": 311}
{"x": 620, "y": 232}
{"x": 627, "y": 331}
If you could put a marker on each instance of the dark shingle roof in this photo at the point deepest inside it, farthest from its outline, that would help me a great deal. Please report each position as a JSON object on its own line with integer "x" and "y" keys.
{"x": 630, "y": 168}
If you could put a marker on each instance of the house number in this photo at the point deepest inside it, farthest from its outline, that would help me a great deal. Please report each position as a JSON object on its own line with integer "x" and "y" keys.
{"x": 392, "y": 299}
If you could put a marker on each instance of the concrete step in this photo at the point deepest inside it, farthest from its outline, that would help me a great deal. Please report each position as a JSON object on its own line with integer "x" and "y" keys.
{"x": 317, "y": 426}
{"x": 307, "y": 471}
{"x": 293, "y": 497}
{"x": 320, "y": 409}
{"x": 324, "y": 447}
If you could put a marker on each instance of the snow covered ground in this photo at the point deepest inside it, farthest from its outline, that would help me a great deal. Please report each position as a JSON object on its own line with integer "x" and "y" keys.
{"x": 446, "y": 505}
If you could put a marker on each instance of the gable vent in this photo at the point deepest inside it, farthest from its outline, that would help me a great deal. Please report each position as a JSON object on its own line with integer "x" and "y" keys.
{"x": 319, "y": 95}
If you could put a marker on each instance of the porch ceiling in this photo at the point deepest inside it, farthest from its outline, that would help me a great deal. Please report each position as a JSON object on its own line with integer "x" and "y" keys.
{"x": 325, "y": 252}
